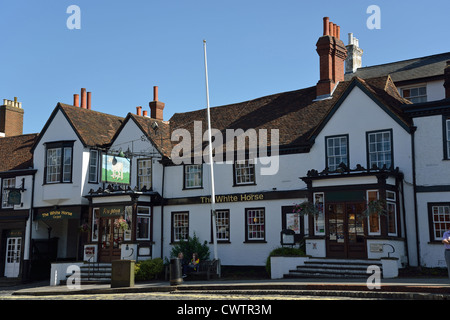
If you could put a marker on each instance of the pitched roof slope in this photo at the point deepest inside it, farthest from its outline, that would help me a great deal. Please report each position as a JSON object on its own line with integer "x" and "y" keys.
{"x": 94, "y": 128}
{"x": 417, "y": 68}
{"x": 15, "y": 152}
{"x": 296, "y": 114}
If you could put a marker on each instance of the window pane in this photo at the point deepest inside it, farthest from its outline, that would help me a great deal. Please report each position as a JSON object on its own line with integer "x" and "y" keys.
{"x": 255, "y": 224}
{"x": 53, "y": 165}
{"x": 93, "y": 166}
{"x": 67, "y": 168}
{"x": 337, "y": 152}
{"x": 244, "y": 172}
{"x": 145, "y": 173}
{"x": 7, "y": 183}
{"x": 380, "y": 145}
{"x": 441, "y": 220}
{"x": 223, "y": 225}
{"x": 193, "y": 176}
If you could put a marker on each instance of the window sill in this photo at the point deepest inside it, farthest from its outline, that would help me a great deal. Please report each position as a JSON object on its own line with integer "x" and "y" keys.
{"x": 193, "y": 188}
{"x": 255, "y": 241}
{"x": 244, "y": 184}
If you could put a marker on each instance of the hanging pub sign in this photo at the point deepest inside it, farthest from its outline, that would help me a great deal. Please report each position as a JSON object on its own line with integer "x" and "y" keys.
{"x": 115, "y": 169}
{"x": 57, "y": 214}
{"x": 14, "y": 197}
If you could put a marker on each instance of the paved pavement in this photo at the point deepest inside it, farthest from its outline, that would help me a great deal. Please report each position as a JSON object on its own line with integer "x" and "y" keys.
{"x": 398, "y": 288}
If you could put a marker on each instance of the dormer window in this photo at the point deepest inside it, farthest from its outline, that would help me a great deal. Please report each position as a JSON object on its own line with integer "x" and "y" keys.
{"x": 58, "y": 162}
{"x": 415, "y": 95}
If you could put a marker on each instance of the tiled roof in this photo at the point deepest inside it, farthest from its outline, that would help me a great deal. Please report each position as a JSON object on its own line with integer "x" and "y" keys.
{"x": 295, "y": 114}
{"x": 94, "y": 128}
{"x": 15, "y": 152}
{"x": 418, "y": 68}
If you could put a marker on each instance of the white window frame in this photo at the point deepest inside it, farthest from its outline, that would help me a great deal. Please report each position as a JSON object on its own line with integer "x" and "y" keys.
{"x": 7, "y": 183}
{"x": 340, "y": 144}
{"x": 417, "y": 98}
{"x": 244, "y": 172}
{"x": 447, "y": 123}
{"x": 93, "y": 166}
{"x": 59, "y": 164}
{"x": 145, "y": 173}
{"x": 143, "y": 213}
{"x": 223, "y": 225}
{"x": 443, "y": 210}
{"x": 255, "y": 224}
{"x": 376, "y": 233}
{"x": 319, "y": 220}
{"x": 391, "y": 202}
{"x": 193, "y": 176}
{"x": 180, "y": 226}
{"x": 378, "y": 148}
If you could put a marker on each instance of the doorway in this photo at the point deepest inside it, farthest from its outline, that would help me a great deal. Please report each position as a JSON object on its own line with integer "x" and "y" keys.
{"x": 346, "y": 230}
{"x": 111, "y": 236}
{"x": 13, "y": 252}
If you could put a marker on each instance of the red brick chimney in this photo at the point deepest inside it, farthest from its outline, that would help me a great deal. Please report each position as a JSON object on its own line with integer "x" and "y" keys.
{"x": 332, "y": 54}
{"x": 11, "y": 118}
{"x": 447, "y": 80}
{"x": 156, "y": 107}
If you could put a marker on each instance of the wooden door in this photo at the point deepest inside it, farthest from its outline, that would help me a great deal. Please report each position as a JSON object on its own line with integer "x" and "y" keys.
{"x": 346, "y": 230}
{"x": 111, "y": 237}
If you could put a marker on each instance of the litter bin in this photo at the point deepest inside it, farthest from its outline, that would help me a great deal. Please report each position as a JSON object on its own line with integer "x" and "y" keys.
{"x": 122, "y": 273}
{"x": 175, "y": 272}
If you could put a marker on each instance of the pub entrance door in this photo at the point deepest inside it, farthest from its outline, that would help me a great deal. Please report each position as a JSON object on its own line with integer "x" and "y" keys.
{"x": 346, "y": 230}
{"x": 12, "y": 262}
{"x": 111, "y": 237}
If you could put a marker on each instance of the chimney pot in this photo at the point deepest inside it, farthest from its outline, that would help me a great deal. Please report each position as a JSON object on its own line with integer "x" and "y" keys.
{"x": 89, "y": 100}
{"x": 76, "y": 100}
{"x": 145, "y": 113}
{"x": 155, "y": 93}
{"x": 326, "y": 26}
{"x": 338, "y": 32}
{"x": 138, "y": 110}
{"x": 83, "y": 98}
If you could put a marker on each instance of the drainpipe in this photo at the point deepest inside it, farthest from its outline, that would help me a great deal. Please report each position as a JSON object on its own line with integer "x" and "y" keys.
{"x": 416, "y": 215}
{"x": 162, "y": 208}
{"x": 404, "y": 217}
{"x": 30, "y": 246}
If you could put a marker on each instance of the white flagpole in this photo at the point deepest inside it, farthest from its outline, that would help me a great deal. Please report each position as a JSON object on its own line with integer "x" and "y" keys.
{"x": 211, "y": 163}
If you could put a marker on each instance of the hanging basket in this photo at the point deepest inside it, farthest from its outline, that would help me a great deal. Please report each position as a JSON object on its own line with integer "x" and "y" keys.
{"x": 307, "y": 208}
{"x": 375, "y": 207}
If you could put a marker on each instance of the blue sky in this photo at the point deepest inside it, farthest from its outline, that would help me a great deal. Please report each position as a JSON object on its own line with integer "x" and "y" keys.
{"x": 254, "y": 47}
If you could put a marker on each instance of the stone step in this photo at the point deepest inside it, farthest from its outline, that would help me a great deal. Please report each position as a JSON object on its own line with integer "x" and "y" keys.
{"x": 333, "y": 268}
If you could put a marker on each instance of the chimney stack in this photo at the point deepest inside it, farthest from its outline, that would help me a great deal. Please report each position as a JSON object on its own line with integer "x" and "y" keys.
{"x": 11, "y": 118}
{"x": 156, "y": 107}
{"x": 353, "y": 61}
{"x": 447, "y": 80}
{"x": 332, "y": 54}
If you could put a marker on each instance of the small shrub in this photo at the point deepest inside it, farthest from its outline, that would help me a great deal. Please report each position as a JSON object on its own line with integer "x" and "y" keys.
{"x": 189, "y": 247}
{"x": 283, "y": 251}
{"x": 148, "y": 269}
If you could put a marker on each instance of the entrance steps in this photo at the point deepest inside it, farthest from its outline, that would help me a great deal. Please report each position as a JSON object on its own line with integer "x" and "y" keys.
{"x": 95, "y": 273}
{"x": 333, "y": 268}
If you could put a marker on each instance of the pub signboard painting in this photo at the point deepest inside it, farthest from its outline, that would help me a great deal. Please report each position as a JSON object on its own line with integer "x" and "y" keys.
{"x": 115, "y": 169}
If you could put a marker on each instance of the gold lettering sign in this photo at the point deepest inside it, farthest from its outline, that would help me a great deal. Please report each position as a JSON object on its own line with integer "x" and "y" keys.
{"x": 235, "y": 198}
{"x": 111, "y": 211}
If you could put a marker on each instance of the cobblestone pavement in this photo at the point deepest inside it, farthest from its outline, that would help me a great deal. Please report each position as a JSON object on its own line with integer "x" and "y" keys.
{"x": 7, "y": 295}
